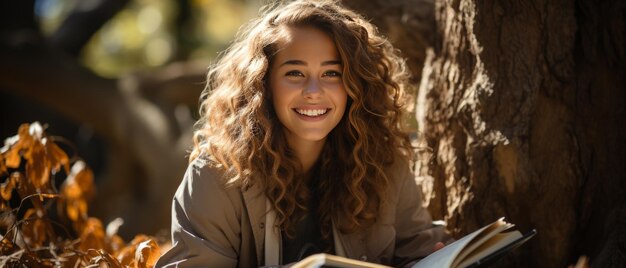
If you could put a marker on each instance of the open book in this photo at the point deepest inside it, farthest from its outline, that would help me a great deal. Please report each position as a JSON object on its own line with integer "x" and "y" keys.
{"x": 475, "y": 249}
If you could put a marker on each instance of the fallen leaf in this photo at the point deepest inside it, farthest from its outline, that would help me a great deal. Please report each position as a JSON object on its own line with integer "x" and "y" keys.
{"x": 77, "y": 189}
{"x": 6, "y": 189}
{"x": 3, "y": 166}
{"x": 127, "y": 254}
{"x": 34, "y": 228}
{"x": 147, "y": 254}
{"x": 92, "y": 235}
{"x": 12, "y": 154}
{"x": 37, "y": 169}
{"x": 104, "y": 259}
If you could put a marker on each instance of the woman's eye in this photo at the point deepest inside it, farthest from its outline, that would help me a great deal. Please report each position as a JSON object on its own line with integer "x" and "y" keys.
{"x": 294, "y": 73}
{"x": 332, "y": 74}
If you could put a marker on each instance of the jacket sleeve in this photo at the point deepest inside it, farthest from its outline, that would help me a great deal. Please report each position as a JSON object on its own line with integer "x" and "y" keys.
{"x": 416, "y": 235}
{"x": 205, "y": 222}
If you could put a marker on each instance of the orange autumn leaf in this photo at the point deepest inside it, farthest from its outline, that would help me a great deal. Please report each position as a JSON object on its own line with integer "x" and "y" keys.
{"x": 6, "y": 189}
{"x": 36, "y": 158}
{"x": 77, "y": 189}
{"x": 115, "y": 244}
{"x": 3, "y": 166}
{"x": 92, "y": 235}
{"x": 34, "y": 229}
{"x": 79, "y": 183}
{"x": 24, "y": 187}
{"x": 6, "y": 246}
{"x": 14, "y": 145}
{"x": 56, "y": 156}
{"x": 147, "y": 254}
{"x": 37, "y": 170}
{"x": 26, "y": 135}
{"x": 70, "y": 258}
{"x": 42, "y": 155}
{"x": 76, "y": 209}
{"x": 127, "y": 254}
{"x": 11, "y": 152}
{"x": 103, "y": 259}
{"x": 12, "y": 158}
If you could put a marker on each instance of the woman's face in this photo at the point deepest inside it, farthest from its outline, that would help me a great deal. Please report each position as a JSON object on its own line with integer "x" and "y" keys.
{"x": 306, "y": 84}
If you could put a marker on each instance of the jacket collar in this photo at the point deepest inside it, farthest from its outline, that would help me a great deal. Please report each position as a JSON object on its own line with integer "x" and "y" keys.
{"x": 254, "y": 199}
{"x": 347, "y": 245}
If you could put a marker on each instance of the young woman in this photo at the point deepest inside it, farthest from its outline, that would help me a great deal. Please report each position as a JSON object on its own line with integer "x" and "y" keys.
{"x": 299, "y": 149}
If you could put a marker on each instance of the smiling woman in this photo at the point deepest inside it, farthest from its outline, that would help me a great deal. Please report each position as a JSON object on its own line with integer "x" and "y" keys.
{"x": 299, "y": 149}
{"x": 307, "y": 90}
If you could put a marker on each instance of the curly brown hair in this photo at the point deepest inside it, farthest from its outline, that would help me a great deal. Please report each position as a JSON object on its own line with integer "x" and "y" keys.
{"x": 240, "y": 132}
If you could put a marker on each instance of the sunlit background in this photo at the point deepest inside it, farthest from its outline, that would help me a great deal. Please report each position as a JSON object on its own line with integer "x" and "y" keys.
{"x": 151, "y": 33}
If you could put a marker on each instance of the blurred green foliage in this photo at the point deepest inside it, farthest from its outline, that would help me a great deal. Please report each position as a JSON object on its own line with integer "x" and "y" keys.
{"x": 151, "y": 33}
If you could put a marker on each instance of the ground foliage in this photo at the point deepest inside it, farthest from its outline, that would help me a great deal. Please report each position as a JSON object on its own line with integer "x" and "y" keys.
{"x": 43, "y": 226}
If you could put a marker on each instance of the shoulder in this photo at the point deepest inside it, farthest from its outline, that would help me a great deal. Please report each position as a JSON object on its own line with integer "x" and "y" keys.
{"x": 206, "y": 175}
{"x": 400, "y": 171}
{"x": 402, "y": 185}
{"x": 204, "y": 185}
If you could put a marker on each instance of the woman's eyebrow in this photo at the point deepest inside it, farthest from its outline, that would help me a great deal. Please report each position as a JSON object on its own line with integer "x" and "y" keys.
{"x": 294, "y": 62}
{"x": 299, "y": 62}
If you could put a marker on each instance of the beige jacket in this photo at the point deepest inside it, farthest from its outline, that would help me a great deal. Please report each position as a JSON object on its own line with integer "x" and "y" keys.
{"x": 214, "y": 226}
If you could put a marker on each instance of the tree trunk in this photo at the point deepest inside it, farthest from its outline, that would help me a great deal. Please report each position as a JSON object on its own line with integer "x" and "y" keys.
{"x": 522, "y": 103}
{"x": 408, "y": 24}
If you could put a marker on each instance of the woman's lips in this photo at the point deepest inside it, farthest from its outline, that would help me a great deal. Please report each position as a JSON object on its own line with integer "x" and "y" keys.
{"x": 312, "y": 114}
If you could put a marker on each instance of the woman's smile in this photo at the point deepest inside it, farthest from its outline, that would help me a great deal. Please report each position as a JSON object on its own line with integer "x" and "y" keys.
{"x": 312, "y": 114}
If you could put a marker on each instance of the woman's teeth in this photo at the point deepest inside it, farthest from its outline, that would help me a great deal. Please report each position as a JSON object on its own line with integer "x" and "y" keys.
{"x": 316, "y": 112}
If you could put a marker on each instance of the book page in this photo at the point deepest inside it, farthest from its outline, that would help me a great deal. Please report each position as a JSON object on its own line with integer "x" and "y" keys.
{"x": 317, "y": 260}
{"x": 490, "y": 246}
{"x": 491, "y": 230}
{"x": 445, "y": 257}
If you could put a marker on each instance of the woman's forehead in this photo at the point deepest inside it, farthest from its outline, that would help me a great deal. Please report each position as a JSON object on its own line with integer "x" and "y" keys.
{"x": 298, "y": 35}
{"x": 304, "y": 41}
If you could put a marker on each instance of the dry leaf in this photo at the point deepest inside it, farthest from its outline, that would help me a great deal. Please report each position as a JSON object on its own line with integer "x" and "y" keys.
{"x": 12, "y": 155}
{"x": 34, "y": 228}
{"x": 6, "y": 189}
{"x": 94, "y": 248}
{"x": 147, "y": 254}
{"x": 92, "y": 235}
{"x": 56, "y": 157}
{"x": 6, "y": 246}
{"x": 37, "y": 170}
{"x": 7, "y": 260}
{"x": 24, "y": 188}
{"x": 115, "y": 244}
{"x": 127, "y": 254}
{"x": 76, "y": 209}
{"x": 79, "y": 182}
{"x": 35, "y": 130}
{"x": 104, "y": 259}
{"x": 3, "y": 166}
{"x": 17, "y": 143}
{"x": 114, "y": 226}
{"x": 76, "y": 190}
{"x": 11, "y": 149}
{"x": 70, "y": 259}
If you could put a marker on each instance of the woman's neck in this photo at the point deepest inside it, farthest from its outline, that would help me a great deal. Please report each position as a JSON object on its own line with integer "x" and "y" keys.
{"x": 308, "y": 152}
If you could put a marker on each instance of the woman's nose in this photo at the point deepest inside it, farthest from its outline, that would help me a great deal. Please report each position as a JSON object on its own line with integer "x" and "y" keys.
{"x": 312, "y": 89}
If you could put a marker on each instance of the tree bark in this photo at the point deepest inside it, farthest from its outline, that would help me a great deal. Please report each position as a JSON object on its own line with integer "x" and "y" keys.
{"x": 408, "y": 24}
{"x": 523, "y": 109}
